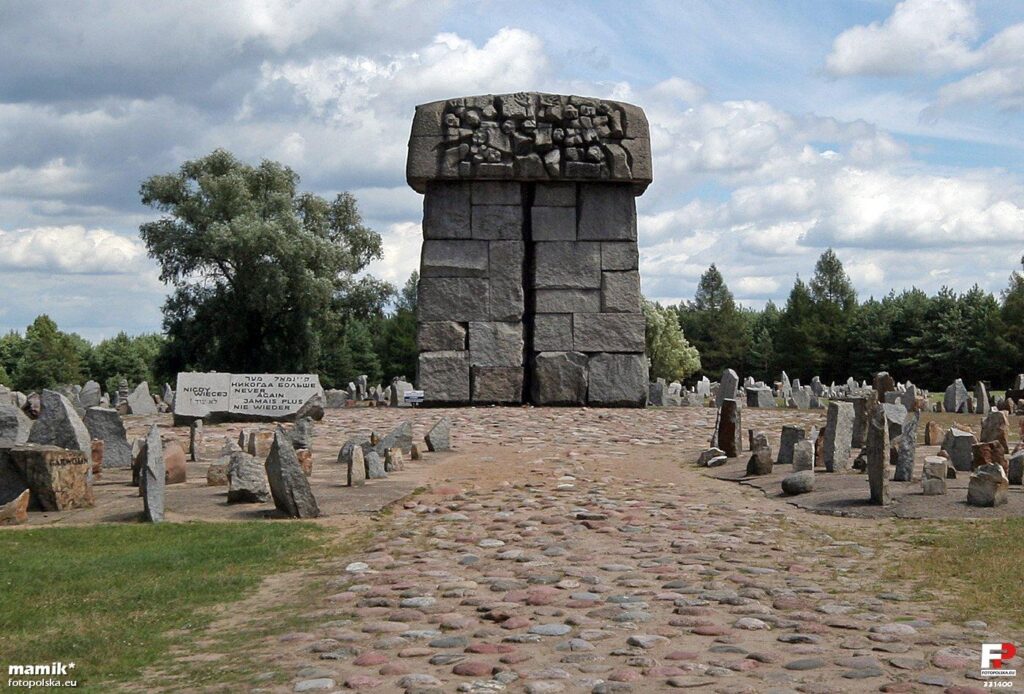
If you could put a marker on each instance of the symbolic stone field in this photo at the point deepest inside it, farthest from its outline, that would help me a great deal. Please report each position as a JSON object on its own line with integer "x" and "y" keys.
{"x": 732, "y": 537}
{"x": 570, "y": 549}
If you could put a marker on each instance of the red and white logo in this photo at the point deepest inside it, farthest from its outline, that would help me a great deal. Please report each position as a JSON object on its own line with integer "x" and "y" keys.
{"x": 994, "y": 657}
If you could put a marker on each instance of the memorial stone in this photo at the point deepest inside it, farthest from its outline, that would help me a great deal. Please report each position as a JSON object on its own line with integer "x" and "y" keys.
{"x": 529, "y": 219}
{"x": 878, "y": 458}
{"x": 838, "y": 435}
{"x": 790, "y": 436}
{"x": 219, "y": 397}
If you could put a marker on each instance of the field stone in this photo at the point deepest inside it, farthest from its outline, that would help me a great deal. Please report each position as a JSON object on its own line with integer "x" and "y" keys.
{"x": 988, "y": 486}
{"x": 439, "y": 436}
{"x": 59, "y": 425}
{"x": 15, "y": 511}
{"x": 800, "y": 482}
{"x": 175, "y": 467}
{"x": 288, "y": 485}
{"x": 1015, "y": 466}
{"x": 152, "y": 477}
{"x": 399, "y": 437}
{"x": 838, "y": 436}
{"x": 790, "y": 436}
{"x": 803, "y": 455}
{"x": 57, "y": 478}
{"x": 140, "y": 401}
{"x": 878, "y": 458}
{"x": 217, "y": 474}
{"x": 996, "y": 428}
{"x": 90, "y": 395}
{"x": 247, "y": 480}
{"x": 374, "y": 466}
{"x": 15, "y": 426}
{"x": 958, "y": 444}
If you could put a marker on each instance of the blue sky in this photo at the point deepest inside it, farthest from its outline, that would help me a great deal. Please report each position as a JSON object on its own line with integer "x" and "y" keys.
{"x": 889, "y": 131}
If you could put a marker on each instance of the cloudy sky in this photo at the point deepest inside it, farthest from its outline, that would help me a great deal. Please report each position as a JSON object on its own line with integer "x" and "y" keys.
{"x": 889, "y": 131}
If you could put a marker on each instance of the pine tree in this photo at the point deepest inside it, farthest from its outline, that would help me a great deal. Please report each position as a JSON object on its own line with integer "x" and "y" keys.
{"x": 835, "y": 302}
{"x": 719, "y": 330}
{"x": 49, "y": 359}
{"x": 795, "y": 344}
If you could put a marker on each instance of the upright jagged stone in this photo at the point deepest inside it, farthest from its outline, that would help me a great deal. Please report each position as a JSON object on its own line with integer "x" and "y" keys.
{"x": 288, "y": 484}
{"x": 58, "y": 424}
{"x": 15, "y": 426}
{"x": 152, "y": 477}
{"x": 878, "y": 458}
{"x": 838, "y": 435}
{"x": 529, "y": 265}
{"x": 105, "y": 425}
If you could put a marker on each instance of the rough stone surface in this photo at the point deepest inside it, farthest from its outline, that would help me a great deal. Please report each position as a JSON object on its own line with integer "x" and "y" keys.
{"x": 105, "y": 424}
{"x": 608, "y": 332}
{"x": 140, "y": 401}
{"x": 791, "y": 434}
{"x": 728, "y": 384}
{"x": 560, "y": 378}
{"x": 15, "y": 511}
{"x": 439, "y": 438}
{"x": 958, "y": 445}
{"x": 444, "y": 376}
{"x": 501, "y": 385}
{"x": 803, "y": 455}
{"x": 399, "y": 437}
{"x": 728, "y": 431}
{"x": 878, "y": 458}
{"x": 987, "y": 486}
{"x": 617, "y": 380}
{"x": 904, "y": 448}
{"x": 955, "y": 399}
{"x": 495, "y": 344}
{"x": 288, "y": 485}
{"x": 152, "y": 477}
{"x": 247, "y": 480}
{"x": 838, "y": 435}
{"x": 57, "y": 479}
{"x": 441, "y": 336}
{"x": 59, "y": 425}
{"x": 15, "y": 425}
{"x": 800, "y": 482}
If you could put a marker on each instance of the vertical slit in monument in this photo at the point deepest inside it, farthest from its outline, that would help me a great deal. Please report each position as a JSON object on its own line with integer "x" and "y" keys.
{"x": 529, "y": 301}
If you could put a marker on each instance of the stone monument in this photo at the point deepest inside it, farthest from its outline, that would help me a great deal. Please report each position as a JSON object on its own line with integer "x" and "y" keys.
{"x": 529, "y": 285}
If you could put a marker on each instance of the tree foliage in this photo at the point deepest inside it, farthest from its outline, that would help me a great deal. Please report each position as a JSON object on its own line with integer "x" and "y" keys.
{"x": 715, "y": 325}
{"x": 259, "y": 270}
{"x": 49, "y": 357}
{"x": 671, "y": 356}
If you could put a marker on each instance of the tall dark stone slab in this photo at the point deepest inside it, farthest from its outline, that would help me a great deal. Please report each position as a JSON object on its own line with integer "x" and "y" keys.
{"x": 529, "y": 225}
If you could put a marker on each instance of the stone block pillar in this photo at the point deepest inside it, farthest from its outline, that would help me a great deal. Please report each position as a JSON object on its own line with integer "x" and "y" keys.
{"x": 529, "y": 285}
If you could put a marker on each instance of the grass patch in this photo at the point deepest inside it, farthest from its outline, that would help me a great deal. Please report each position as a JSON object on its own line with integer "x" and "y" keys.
{"x": 971, "y": 564}
{"x": 105, "y": 597}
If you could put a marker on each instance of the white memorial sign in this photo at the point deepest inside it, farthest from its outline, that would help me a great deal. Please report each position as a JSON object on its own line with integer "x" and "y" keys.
{"x": 271, "y": 396}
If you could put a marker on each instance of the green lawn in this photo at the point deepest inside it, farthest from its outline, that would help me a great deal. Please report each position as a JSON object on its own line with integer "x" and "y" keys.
{"x": 105, "y": 597}
{"x": 979, "y": 562}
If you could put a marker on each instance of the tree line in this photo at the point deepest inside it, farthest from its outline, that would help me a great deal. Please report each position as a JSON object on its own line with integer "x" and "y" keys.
{"x": 823, "y": 330}
{"x": 265, "y": 278}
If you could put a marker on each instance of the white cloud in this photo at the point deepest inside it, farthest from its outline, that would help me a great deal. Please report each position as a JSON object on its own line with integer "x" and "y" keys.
{"x": 752, "y": 287}
{"x": 402, "y": 242}
{"x": 70, "y": 250}
{"x": 932, "y": 36}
